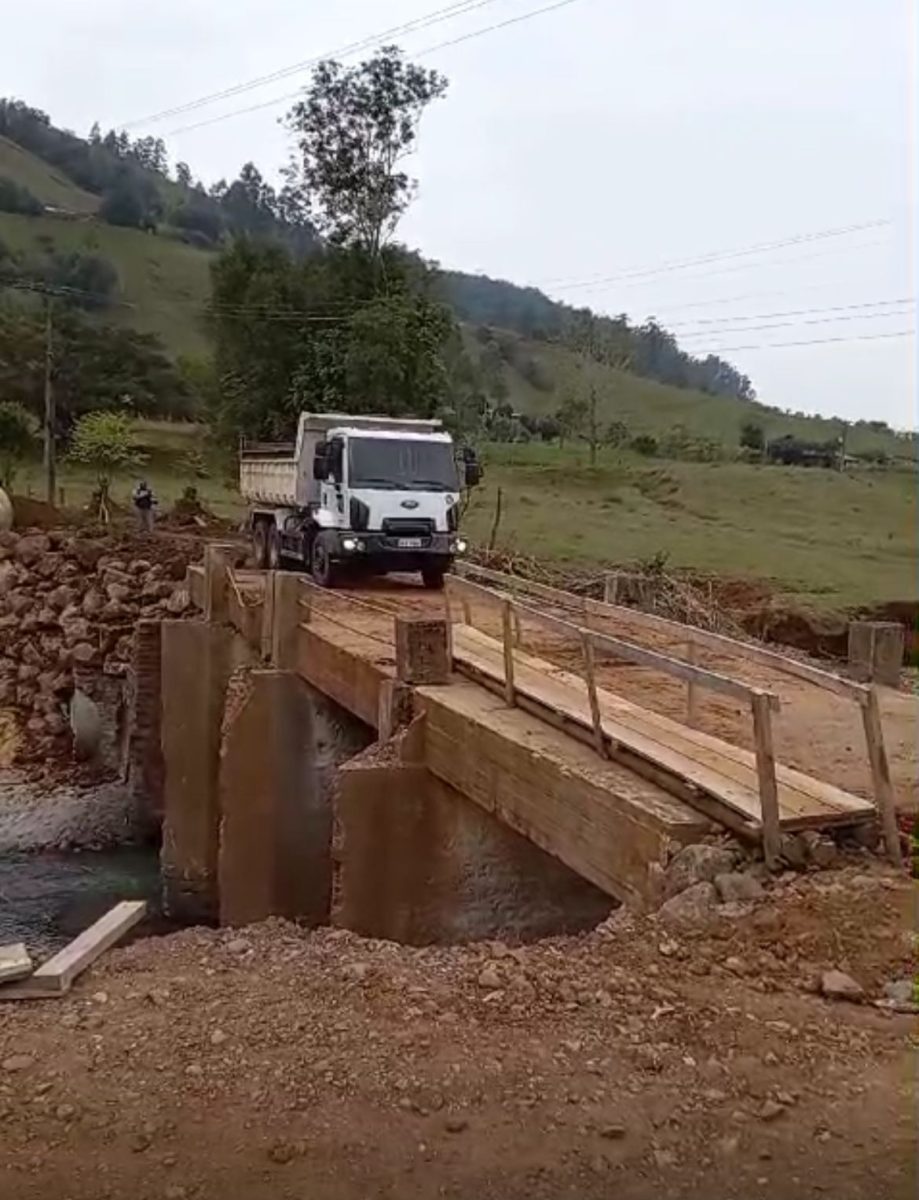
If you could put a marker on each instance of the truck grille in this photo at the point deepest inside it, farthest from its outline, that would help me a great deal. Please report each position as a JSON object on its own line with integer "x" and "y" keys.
{"x": 419, "y": 527}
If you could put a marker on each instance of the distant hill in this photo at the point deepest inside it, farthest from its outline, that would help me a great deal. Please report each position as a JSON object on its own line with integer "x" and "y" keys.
{"x": 163, "y": 286}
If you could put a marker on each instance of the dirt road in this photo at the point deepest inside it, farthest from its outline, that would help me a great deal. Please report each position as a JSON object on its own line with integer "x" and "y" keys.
{"x": 638, "y": 1061}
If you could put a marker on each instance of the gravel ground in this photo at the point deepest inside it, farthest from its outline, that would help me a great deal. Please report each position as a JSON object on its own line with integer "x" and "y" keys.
{"x": 637, "y": 1061}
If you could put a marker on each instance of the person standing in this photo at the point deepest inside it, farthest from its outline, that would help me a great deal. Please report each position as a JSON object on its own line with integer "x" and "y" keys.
{"x": 144, "y": 500}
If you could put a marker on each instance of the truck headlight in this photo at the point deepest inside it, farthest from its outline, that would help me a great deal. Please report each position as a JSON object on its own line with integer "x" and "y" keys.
{"x": 349, "y": 543}
{"x": 459, "y": 546}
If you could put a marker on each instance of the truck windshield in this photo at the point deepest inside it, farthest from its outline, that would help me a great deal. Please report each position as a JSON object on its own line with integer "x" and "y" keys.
{"x": 407, "y": 465}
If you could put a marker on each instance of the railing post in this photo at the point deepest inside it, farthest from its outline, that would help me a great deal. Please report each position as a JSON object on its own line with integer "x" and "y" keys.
{"x": 692, "y": 700}
{"x": 768, "y": 788}
{"x": 285, "y": 619}
{"x": 594, "y": 700}
{"x": 422, "y": 651}
{"x": 884, "y": 797}
{"x": 510, "y": 694}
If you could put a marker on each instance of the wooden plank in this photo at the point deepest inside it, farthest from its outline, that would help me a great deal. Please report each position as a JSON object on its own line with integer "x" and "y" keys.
{"x": 768, "y": 788}
{"x": 880, "y": 773}
{"x": 598, "y": 818}
{"x": 692, "y": 699}
{"x": 216, "y": 582}
{"x": 728, "y": 777}
{"x": 752, "y": 651}
{"x": 804, "y": 800}
{"x": 286, "y": 623}
{"x": 15, "y": 962}
{"x": 54, "y": 977}
{"x": 345, "y": 666}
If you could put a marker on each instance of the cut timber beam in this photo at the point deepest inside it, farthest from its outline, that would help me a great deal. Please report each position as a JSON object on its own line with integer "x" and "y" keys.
{"x": 54, "y": 977}
{"x": 15, "y": 962}
{"x": 605, "y": 823}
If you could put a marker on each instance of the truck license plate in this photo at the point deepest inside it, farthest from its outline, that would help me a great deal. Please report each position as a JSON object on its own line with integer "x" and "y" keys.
{"x": 409, "y": 543}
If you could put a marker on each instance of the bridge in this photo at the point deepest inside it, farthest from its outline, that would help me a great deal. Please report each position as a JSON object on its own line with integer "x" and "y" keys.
{"x": 450, "y": 773}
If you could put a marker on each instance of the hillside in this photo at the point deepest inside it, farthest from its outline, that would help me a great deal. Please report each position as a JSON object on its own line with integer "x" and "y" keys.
{"x": 164, "y": 284}
{"x": 48, "y": 185}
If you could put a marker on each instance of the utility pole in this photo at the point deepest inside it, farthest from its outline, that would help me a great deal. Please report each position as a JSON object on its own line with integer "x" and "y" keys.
{"x": 50, "y": 415}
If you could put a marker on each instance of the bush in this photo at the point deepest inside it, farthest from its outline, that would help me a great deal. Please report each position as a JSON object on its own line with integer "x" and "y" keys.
{"x": 14, "y": 198}
{"x": 644, "y": 444}
{"x": 18, "y": 431}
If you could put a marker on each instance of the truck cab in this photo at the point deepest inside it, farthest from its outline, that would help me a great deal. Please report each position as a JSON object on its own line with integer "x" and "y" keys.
{"x": 364, "y": 495}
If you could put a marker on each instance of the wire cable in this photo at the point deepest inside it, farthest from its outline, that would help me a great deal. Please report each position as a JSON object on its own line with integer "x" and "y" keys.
{"x": 466, "y": 37}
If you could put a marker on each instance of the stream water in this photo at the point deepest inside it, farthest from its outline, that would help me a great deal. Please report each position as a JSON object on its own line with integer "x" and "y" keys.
{"x": 47, "y": 898}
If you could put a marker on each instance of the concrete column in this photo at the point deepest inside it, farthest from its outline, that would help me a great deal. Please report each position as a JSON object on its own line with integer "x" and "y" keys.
{"x": 276, "y": 823}
{"x": 422, "y": 651}
{"x": 145, "y": 752}
{"x": 422, "y": 864}
{"x": 196, "y": 661}
{"x": 876, "y": 651}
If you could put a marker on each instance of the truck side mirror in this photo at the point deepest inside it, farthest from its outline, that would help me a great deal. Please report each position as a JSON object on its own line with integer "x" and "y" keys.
{"x": 336, "y": 459}
{"x": 473, "y": 470}
{"x": 321, "y": 463}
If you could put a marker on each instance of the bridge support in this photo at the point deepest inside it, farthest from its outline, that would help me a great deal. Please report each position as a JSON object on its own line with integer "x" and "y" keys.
{"x": 420, "y": 864}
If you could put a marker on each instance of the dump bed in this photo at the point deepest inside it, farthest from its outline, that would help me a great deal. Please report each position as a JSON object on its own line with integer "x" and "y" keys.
{"x": 281, "y": 473}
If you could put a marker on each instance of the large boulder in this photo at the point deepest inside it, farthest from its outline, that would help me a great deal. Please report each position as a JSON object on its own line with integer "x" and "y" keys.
{"x": 694, "y": 906}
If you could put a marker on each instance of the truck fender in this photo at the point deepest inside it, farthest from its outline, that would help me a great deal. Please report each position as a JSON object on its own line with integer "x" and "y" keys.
{"x": 325, "y": 518}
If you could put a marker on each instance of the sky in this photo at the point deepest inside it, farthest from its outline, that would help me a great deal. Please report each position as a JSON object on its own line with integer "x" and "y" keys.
{"x": 593, "y": 151}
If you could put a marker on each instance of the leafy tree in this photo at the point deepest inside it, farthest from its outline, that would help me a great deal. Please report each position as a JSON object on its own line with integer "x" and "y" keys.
{"x": 200, "y": 216}
{"x": 124, "y": 204}
{"x": 18, "y": 431}
{"x": 183, "y": 174}
{"x": 14, "y": 198}
{"x": 752, "y": 437}
{"x": 354, "y": 127}
{"x": 617, "y": 433}
{"x": 104, "y": 441}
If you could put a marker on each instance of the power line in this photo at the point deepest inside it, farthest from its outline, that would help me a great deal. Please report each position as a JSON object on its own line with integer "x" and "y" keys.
{"x": 800, "y": 312}
{"x": 856, "y": 337}
{"x": 719, "y": 332}
{"x": 720, "y": 255}
{"x": 466, "y": 37}
{"x": 433, "y": 18}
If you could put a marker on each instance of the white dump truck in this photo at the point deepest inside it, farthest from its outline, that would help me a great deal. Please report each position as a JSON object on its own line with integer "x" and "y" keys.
{"x": 357, "y": 494}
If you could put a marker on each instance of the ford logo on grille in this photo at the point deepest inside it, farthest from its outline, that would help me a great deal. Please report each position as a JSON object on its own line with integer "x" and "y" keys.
{"x": 409, "y": 503}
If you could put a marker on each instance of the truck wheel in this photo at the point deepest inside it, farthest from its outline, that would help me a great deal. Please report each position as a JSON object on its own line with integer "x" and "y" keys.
{"x": 324, "y": 569}
{"x": 274, "y": 548}
{"x": 260, "y": 544}
{"x": 433, "y": 577}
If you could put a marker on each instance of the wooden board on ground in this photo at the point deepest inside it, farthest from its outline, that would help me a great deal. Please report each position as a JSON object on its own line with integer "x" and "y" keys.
{"x": 724, "y": 773}
{"x": 54, "y": 977}
{"x": 15, "y": 962}
{"x": 603, "y": 821}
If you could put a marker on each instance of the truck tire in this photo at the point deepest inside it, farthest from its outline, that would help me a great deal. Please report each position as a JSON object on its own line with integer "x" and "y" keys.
{"x": 274, "y": 549}
{"x": 433, "y": 577}
{"x": 260, "y": 545}
{"x": 325, "y": 571}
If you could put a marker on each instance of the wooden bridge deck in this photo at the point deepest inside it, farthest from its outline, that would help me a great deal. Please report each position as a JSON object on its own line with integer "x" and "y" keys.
{"x": 713, "y": 768}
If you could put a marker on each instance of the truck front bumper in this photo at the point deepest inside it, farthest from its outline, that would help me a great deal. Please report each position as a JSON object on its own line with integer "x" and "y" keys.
{"x": 396, "y": 553}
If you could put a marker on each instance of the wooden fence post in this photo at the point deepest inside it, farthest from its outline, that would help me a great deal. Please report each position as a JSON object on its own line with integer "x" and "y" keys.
{"x": 286, "y": 620}
{"x": 508, "y": 640}
{"x": 692, "y": 700}
{"x": 595, "y": 715}
{"x": 880, "y": 775}
{"x": 768, "y": 788}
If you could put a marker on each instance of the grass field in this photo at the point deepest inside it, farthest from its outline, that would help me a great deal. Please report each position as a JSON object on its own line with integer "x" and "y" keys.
{"x": 43, "y": 181}
{"x": 826, "y": 539}
{"x": 164, "y": 285}
{"x": 832, "y": 540}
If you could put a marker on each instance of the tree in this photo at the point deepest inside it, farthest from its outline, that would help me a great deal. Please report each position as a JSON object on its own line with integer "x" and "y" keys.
{"x": 104, "y": 441}
{"x": 183, "y": 174}
{"x": 124, "y": 204}
{"x": 18, "y": 431}
{"x": 752, "y": 437}
{"x": 353, "y": 128}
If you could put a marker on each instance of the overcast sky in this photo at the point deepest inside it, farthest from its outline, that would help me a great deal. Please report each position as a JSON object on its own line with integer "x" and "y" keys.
{"x": 605, "y": 138}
